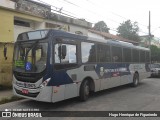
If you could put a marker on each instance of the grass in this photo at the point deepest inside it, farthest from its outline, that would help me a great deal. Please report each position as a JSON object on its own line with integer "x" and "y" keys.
{"x": 11, "y": 99}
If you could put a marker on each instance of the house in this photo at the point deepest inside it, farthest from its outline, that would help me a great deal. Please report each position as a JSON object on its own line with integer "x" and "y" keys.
{"x": 19, "y": 16}
{"x": 25, "y": 15}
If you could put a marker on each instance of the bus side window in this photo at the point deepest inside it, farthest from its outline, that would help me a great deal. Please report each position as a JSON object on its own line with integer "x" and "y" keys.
{"x": 135, "y": 55}
{"x": 103, "y": 53}
{"x": 88, "y": 52}
{"x": 116, "y": 54}
{"x": 147, "y": 56}
{"x": 142, "y": 56}
{"x": 127, "y": 56}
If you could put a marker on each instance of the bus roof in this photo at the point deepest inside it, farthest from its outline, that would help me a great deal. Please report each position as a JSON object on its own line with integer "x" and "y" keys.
{"x": 86, "y": 38}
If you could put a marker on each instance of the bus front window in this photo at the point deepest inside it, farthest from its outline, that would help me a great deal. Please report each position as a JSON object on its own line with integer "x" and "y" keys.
{"x": 30, "y": 57}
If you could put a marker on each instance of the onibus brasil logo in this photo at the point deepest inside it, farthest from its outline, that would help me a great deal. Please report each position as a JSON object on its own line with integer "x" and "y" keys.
{"x": 8, "y": 113}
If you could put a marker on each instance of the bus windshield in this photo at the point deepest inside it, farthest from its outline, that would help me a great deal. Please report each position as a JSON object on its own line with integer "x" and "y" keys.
{"x": 33, "y": 35}
{"x": 30, "y": 56}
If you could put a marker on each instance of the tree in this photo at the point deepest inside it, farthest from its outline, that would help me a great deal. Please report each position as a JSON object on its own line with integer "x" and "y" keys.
{"x": 101, "y": 26}
{"x": 155, "y": 53}
{"x": 129, "y": 30}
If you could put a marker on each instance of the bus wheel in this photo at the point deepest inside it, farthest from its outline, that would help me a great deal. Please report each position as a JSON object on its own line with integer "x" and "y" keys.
{"x": 135, "y": 80}
{"x": 84, "y": 90}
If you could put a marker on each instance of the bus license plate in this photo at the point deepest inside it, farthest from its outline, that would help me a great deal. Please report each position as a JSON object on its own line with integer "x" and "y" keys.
{"x": 24, "y": 91}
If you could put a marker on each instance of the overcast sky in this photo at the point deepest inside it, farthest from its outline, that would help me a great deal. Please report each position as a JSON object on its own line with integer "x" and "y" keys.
{"x": 114, "y": 12}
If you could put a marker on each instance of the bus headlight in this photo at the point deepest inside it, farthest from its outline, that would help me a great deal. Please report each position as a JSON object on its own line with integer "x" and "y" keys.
{"x": 45, "y": 83}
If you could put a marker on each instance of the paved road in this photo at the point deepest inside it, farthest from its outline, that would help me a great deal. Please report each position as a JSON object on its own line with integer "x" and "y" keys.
{"x": 145, "y": 97}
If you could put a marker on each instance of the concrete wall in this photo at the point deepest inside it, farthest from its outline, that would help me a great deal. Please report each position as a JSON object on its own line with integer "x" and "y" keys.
{"x": 72, "y": 28}
{"x": 39, "y": 25}
{"x": 7, "y": 4}
{"x": 6, "y": 65}
{"x": 9, "y": 53}
{"x": 75, "y": 29}
{"x": 20, "y": 29}
{"x": 6, "y": 26}
{"x": 90, "y": 34}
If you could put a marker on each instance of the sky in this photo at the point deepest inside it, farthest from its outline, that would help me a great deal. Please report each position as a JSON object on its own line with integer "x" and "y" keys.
{"x": 113, "y": 12}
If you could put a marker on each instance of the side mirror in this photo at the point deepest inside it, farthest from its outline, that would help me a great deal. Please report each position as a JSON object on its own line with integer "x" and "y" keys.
{"x": 5, "y": 52}
{"x": 62, "y": 51}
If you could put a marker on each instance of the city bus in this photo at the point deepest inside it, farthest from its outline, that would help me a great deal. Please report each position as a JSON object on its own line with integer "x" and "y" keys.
{"x": 52, "y": 65}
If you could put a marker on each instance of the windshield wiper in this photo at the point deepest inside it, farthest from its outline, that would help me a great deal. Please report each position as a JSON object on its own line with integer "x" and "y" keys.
{"x": 29, "y": 50}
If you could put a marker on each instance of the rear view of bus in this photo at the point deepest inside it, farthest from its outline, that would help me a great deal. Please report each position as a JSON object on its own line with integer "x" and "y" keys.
{"x": 30, "y": 65}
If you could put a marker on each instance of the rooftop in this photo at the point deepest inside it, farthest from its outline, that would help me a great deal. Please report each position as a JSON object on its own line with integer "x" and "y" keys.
{"x": 111, "y": 36}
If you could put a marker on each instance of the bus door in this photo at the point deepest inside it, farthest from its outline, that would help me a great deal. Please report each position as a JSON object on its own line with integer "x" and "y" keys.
{"x": 65, "y": 59}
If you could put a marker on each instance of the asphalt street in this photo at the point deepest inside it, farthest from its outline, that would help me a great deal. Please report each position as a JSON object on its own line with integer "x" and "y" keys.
{"x": 145, "y": 97}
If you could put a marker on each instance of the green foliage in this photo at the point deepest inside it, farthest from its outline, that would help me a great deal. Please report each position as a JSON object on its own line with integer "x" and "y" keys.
{"x": 129, "y": 30}
{"x": 101, "y": 26}
{"x": 155, "y": 53}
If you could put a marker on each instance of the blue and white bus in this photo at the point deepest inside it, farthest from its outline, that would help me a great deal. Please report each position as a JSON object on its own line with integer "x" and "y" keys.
{"x": 52, "y": 65}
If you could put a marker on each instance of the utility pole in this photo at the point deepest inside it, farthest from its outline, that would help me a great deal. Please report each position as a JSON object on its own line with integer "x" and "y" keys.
{"x": 149, "y": 31}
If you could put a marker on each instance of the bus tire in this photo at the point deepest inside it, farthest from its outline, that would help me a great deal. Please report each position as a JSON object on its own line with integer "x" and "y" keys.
{"x": 135, "y": 80}
{"x": 84, "y": 90}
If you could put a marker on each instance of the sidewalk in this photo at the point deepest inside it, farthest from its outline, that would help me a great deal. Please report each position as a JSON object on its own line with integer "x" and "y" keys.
{"x": 6, "y": 94}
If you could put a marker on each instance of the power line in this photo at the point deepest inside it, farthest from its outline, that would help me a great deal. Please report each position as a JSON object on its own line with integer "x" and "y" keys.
{"x": 58, "y": 10}
{"x": 140, "y": 31}
{"x": 99, "y": 14}
{"x": 114, "y": 13}
{"x": 126, "y": 18}
{"x": 71, "y": 3}
{"x": 88, "y": 10}
{"x": 61, "y": 11}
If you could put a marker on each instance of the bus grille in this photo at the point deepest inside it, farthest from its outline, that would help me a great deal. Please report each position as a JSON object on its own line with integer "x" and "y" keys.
{"x": 29, "y": 94}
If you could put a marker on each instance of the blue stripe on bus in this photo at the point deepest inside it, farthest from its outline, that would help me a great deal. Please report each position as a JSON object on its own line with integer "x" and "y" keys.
{"x": 109, "y": 70}
{"x": 103, "y": 71}
{"x": 59, "y": 78}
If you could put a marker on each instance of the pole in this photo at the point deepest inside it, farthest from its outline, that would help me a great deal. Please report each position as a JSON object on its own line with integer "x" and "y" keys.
{"x": 149, "y": 32}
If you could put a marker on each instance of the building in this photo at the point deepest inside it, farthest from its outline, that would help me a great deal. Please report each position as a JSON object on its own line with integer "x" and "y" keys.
{"x": 19, "y": 16}
{"x": 153, "y": 41}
